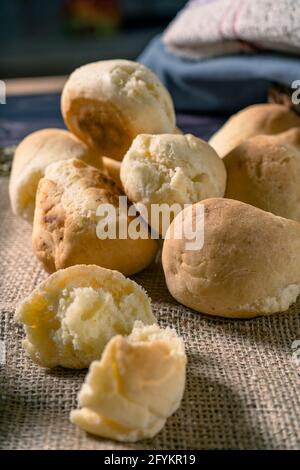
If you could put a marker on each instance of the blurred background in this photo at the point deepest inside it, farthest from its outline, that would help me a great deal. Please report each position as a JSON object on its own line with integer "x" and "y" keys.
{"x": 209, "y": 74}
{"x": 52, "y": 37}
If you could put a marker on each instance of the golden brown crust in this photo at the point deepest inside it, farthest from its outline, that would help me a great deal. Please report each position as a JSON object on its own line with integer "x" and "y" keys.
{"x": 33, "y": 155}
{"x": 64, "y": 231}
{"x": 113, "y": 168}
{"x": 253, "y": 120}
{"x": 265, "y": 171}
{"x": 101, "y": 125}
{"x": 71, "y": 316}
{"x": 248, "y": 265}
{"x": 108, "y": 103}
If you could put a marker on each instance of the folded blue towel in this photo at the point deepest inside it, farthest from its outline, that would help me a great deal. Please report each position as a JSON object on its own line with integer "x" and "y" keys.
{"x": 220, "y": 84}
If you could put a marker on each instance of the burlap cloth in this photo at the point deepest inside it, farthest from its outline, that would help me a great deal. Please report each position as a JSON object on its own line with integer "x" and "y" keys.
{"x": 242, "y": 388}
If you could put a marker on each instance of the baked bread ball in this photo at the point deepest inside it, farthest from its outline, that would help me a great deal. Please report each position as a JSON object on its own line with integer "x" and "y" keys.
{"x": 33, "y": 155}
{"x": 248, "y": 265}
{"x": 107, "y": 103}
{"x": 171, "y": 169}
{"x": 135, "y": 387}
{"x": 269, "y": 118}
{"x": 265, "y": 171}
{"x": 65, "y": 227}
{"x": 71, "y": 316}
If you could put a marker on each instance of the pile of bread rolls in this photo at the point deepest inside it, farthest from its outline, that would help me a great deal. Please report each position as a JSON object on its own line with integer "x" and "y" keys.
{"x": 122, "y": 139}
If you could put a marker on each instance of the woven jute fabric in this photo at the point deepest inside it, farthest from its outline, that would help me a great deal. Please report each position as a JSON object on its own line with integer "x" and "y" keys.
{"x": 242, "y": 389}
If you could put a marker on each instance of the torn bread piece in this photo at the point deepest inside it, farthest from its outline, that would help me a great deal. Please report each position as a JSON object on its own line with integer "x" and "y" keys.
{"x": 138, "y": 383}
{"x": 171, "y": 169}
{"x": 71, "y": 316}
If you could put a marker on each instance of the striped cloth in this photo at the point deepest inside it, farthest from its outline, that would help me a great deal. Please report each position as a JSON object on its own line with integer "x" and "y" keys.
{"x": 219, "y": 27}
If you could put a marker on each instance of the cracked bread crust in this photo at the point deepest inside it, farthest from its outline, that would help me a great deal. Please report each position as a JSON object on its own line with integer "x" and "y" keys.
{"x": 65, "y": 222}
{"x": 137, "y": 384}
{"x": 170, "y": 169}
{"x": 248, "y": 265}
{"x": 33, "y": 155}
{"x": 70, "y": 317}
{"x": 108, "y": 103}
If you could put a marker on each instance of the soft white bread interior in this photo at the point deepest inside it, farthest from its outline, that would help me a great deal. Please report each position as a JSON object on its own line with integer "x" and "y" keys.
{"x": 171, "y": 169}
{"x": 71, "y": 316}
{"x": 137, "y": 384}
